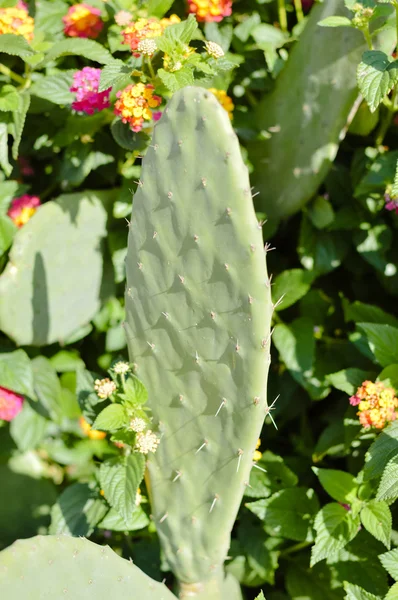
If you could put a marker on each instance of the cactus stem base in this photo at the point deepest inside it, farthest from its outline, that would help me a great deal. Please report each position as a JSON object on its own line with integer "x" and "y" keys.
{"x": 210, "y": 589}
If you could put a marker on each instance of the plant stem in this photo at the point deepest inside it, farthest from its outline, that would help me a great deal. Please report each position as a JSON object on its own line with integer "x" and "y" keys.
{"x": 150, "y": 68}
{"x": 386, "y": 121}
{"x": 299, "y": 10}
{"x": 368, "y": 37}
{"x": 295, "y": 548}
{"x": 282, "y": 15}
{"x": 6, "y": 71}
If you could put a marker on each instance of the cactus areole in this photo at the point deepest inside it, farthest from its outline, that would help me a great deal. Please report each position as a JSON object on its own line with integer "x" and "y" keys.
{"x": 198, "y": 310}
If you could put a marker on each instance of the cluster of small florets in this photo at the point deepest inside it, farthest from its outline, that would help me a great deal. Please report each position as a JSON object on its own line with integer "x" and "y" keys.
{"x": 391, "y": 202}
{"x": 134, "y": 105}
{"x": 121, "y": 367}
{"x": 144, "y": 29}
{"x": 83, "y": 21}
{"x": 23, "y": 208}
{"x": 210, "y": 10}
{"x": 16, "y": 20}
{"x": 362, "y": 15}
{"x": 377, "y": 404}
{"x": 146, "y": 442}
{"x": 10, "y": 404}
{"x": 214, "y": 49}
{"x": 104, "y": 388}
{"x": 224, "y": 100}
{"x": 85, "y": 86}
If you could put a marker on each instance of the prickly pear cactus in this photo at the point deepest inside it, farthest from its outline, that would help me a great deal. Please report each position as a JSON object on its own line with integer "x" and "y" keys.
{"x": 198, "y": 328}
{"x": 53, "y": 281}
{"x": 49, "y": 567}
{"x": 308, "y": 112}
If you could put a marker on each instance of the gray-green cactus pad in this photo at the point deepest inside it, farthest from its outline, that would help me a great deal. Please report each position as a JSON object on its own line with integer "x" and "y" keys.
{"x": 53, "y": 281}
{"x": 198, "y": 312}
{"x": 55, "y": 568}
{"x": 307, "y": 113}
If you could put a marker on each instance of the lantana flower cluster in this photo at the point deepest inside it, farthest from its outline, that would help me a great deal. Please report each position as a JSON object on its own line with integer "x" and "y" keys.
{"x": 85, "y": 86}
{"x": 16, "y": 20}
{"x": 135, "y": 103}
{"x": 10, "y": 404}
{"x": 92, "y": 434}
{"x": 210, "y": 10}
{"x": 391, "y": 203}
{"x": 23, "y": 208}
{"x": 144, "y": 29}
{"x": 224, "y": 100}
{"x": 83, "y": 21}
{"x": 377, "y": 404}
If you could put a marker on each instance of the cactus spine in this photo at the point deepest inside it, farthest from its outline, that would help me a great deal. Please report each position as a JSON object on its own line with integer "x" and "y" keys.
{"x": 198, "y": 309}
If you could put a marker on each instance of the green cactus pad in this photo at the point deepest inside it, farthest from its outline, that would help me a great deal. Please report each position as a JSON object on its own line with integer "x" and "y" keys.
{"x": 198, "y": 310}
{"x": 53, "y": 281}
{"x": 308, "y": 112}
{"x": 55, "y": 568}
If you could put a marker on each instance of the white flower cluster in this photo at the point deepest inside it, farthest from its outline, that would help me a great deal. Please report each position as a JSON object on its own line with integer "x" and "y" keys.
{"x": 214, "y": 49}
{"x": 146, "y": 442}
{"x": 147, "y": 47}
{"x": 121, "y": 368}
{"x": 104, "y": 388}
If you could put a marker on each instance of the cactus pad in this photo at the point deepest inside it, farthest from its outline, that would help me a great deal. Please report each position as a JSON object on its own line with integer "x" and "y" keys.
{"x": 198, "y": 312}
{"x": 49, "y": 567}
{"x": 53, "y": 281}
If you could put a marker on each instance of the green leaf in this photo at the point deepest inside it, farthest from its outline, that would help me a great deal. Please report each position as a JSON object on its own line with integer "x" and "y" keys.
{"x": 388, "y": 488}
{"x": 112, "y": 418}
{"x": 16, "y": 45}
{"x": 383, "y": 341}
{"x": 47, "y": 387}
{"x": 158, "y": 8}
{"x": 178, "y": 79}
{"x": 372, "y": 244}
{"x": 376, "y": 76}
{"x": 367, "y": 313}
{"x": 88, "y": 400}
{"x": 48, "y": 17}
{"x": 378, "y": 175}
{"x": 28, "y": 428}
{"x": 120, "y": 479}
{"x": 7, "y": 232}
{"x": 4, "y": 162}
{"x": 292, "y": 285}
{"x": 376, "y": 518}
{"x": 320, "y": 251}
{"x": 383, "y": 449}
{"x": 77, "y": 511}
{"x": 67, "y": 360}
{"x": 89, "y": 49}
{"x": 260, "y": 596}
{"x": 392, "y": 593}
{"x": 354, "y": 592}
{"x": 339, "y": 485}
{"x": 320, "y": 212}
{"x": 335, "y": 527}
{"x": 182, "y": 32}
{"x": 277, "y": 477}
{"x": 113, "y": 75}
{"x": 348, "y": 380}
{"x": 16, "y": 373}
{"x": 135, "y": 393}
{"x": 389, "y": 560}
{"x": 113, "y": 521}
{"x": 9, "y": 98}
{"x": 335, "y": 21}
{"x": 127, "y": 139}
{"x": 303, "y": 583}
{"x": 288, "y": 513}
{"x": 55, "y": 88}
{"x": 19, "y": 118}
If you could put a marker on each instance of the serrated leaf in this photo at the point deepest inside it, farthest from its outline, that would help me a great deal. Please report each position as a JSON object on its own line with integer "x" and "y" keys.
{"x": 383, "y": 449}
{"x": 19, "y": 118}
{"x": 7, "y": 232}
{"x": 376, "y": 518}
{"x": 113, "y": 74}
{"x": 55, "y": 88}
{"x": 376, "y": 76}
{"x": 287, "y": 513}
{"x": 383, "y": 342}
{"x": 177, "y": 80}
{"x": 89, "y": 49}
{"x": 388, "y": 488}
{"x": 28, "y": 428}
{"x": 158, "y": 8}
{"x": 126, "y": 138}
{"x": 120, "y": 479}
{"x": 260, "y": 596}
{"x": 335, "y": 527}
{"x": 47, "y": 386}
{"x": 16, "y": 45}
{"x": 392, "y": 593}
{"x": 9, "y": 98}
{"x": 182, "y": 32}
{"x": 389, "y": 560}
{"x": 112, "y": 418}
{"x": 348, "y": 380}
{"x": 114, "y": 522}
{"x": 77, "y": 511}
{"x": 339, "y": 485}
{"x": 335, "y": 21}
{"x": 4, "y": 162}
{"x": 394, "y": 190}
{"x": 135, "y": 393}
{"x": 354, "y": 592}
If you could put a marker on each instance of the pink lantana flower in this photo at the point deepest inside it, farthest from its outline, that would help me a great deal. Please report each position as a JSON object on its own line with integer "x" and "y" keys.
{"x": 354, "y": 400}
{"x": 307, "y": 4}
{"x": 391, "y": 203}
{"x": 123, "y": 17}
{"x": 10, "y": 404}
{"x": 23, "y": 208}
{"x": 83, "y": 21}
{"x": 88, "y": 98}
